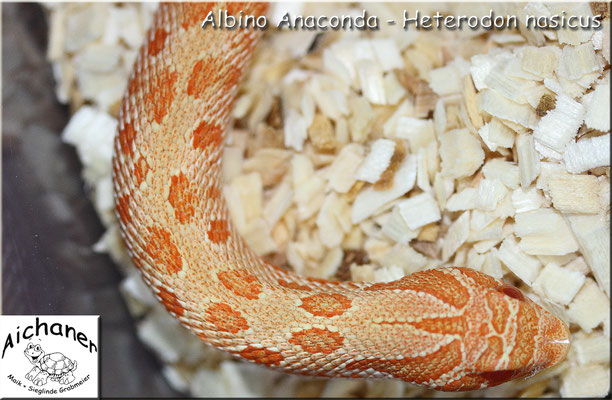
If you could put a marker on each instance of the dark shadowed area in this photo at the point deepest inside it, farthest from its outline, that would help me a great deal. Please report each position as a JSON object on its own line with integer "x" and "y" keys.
{"x": 49, "y": 225}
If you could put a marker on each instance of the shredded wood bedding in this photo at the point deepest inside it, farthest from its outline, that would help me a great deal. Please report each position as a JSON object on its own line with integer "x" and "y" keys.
{"x": 371, "y": 155}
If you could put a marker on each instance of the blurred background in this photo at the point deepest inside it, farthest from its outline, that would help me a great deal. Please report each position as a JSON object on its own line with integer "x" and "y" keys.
{"x": 49, "y": 225}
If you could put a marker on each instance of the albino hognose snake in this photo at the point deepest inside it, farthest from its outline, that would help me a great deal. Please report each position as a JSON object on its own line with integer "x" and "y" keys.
{"x": 449, "y": 329}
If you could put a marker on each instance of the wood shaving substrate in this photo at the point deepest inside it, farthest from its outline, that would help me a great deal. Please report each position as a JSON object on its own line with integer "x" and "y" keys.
{"x": 371, "y": 155}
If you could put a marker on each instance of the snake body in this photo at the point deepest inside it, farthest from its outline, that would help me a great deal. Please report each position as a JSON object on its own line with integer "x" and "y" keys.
{"x": 449, "y": 329}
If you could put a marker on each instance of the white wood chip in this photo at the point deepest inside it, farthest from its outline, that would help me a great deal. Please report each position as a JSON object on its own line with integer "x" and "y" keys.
{"x": 592, "y": 233}
{"x": 394, "y": 91}
{"x": 464, "y": 200}
{"x": 250, "y": 188}
{"x": 343, "y": 170}
{"x": 495, "y": 134}
{"x": 362, "y": 273}
{"x": 404, "y": 257}
{"x": 527, "y": 200}
{"x": 387, "y": 54}
{"x": 598, "y": 107}
{"x": 509, "y": 87}
{"x": 525, "y": 267}
{"x": 492, "y": 231}
{"x": 461, "y": 153}
{"x": 483, "y": 64}
{"x": 232, "y": 163}
{"x": 278, "y": 204}
{"x": 419, "y": 210}
{"x": 329, "y": 265}
{"x": 395, "y": 228}
{"x": 369, "y": 200}
{"x": 592, "y": 348}
{"x": 590, "y": 306}
{"x": 295, "y": 130}
{"x": 587, "y": 381}
{"x": 490, "y": 193}
{"x": 587, "y": 153}
{"x": 448, "y": 80}
{"x": 558, "y": 284}
{"x": 528, "y": 159}
{"x": 330, "y": 231}
{"x": 388, "y": 274}
{"x": 497, "y": 105}
{"x": 492, "y": 266}
{"x": 540, "y": 61}
{"x": 575, "y": 193}
{"x": 559, "y": 126}
{"x": 419, "y": 132}
{"x": 92, "y": 131}
{"x": 544, "y": 231}
{"x": 456, "y": 235}
{"x": 258, "y": 237}
{"x": 371, "y": 81}
{"x": 505, "y": 171}
{"x": 577, "y": 61}
{"x": 377, "y": 160}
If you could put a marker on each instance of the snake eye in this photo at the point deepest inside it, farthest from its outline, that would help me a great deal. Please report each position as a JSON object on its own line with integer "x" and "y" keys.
{"x": 511, "y": 291}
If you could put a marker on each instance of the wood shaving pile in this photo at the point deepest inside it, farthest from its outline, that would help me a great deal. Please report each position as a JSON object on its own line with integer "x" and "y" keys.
{"x": 372, "y": 155}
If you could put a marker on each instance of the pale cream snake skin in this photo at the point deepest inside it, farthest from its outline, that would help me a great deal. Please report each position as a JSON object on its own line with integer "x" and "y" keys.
{"x": 449, "y": 329}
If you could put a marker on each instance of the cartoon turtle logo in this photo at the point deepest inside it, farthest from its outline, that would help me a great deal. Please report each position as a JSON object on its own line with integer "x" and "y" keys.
{"x": 55, "y": 366}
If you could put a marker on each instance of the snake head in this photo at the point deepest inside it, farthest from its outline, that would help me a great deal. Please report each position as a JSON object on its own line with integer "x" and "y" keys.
{"x": 509, "y": 336}
{"x": 519, "y": 337}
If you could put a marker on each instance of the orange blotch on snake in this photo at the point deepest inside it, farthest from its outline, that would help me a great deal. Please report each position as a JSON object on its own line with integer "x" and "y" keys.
{"x": 317, "y": 340}
{"x": 163, "y": 251}
{"x": 193, "y": 13}
{"x": 141, "y": 168}
{"x": 123, "y": 209}
{"x": 202, "y": 75}
{"x": 182, "y": 198}
{"x": 170, "y": 301}
{"x": 207, "y": 134}
{"x": 212, "y": 192}
{"x": 430, "y": 282}
{"x": 161, "y": 93}
{"x": 262, "y": 356}
{"x": 492, "y": 354}
{"x": 481, "y": 279}
{"x": 156, "y": 44}
{"x": 292, "y": 285}
{"x": 442, "y": 326}
{"x": 527, "y": 324}
{"x": 218, "y": 232}
{"x": 241, "y": 283}
{"x": 418, "y": 369}
{"x": 127, "y": 135}
{"x": 326, "y": 304}
{"x": 225, "y": 318}
{"x": 499, "y": 310}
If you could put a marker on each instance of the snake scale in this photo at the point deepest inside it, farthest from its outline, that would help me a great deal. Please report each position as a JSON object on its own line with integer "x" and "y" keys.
{"x": 448, "y": 329}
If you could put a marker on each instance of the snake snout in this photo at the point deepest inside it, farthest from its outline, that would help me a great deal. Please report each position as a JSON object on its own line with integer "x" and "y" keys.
{"x": 555, "y": 340}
